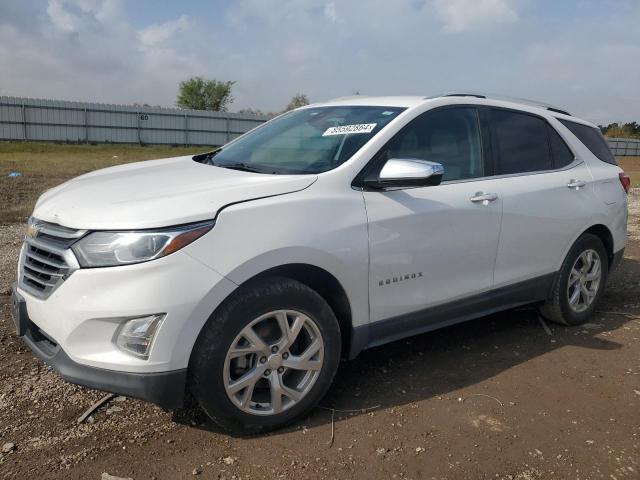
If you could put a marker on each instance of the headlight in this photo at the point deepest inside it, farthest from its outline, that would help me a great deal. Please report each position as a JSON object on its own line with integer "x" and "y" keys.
{"x": 108, "y": 249}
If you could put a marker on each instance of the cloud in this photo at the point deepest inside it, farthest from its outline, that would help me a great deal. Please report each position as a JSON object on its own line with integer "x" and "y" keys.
{"x": 74, "y": 15}
{"x": 155, "y": 34}
{"x": 463, "y": 15}
{"x": 330, "y": 11}
{"x": 88, "y": 50}
{"x": 105, "y": 51}
{"x": 591, "y": 77}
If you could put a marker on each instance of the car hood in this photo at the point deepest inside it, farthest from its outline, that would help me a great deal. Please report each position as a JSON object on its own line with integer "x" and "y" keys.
{"x": 157, "y": 193}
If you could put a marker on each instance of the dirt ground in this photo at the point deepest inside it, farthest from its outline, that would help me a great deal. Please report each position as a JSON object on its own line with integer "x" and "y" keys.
{"x": 498, "y": 397}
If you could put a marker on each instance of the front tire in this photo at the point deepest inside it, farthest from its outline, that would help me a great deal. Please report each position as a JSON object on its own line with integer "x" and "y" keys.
{"x": 266, "y": 357}
{"x": 579, "y": 284}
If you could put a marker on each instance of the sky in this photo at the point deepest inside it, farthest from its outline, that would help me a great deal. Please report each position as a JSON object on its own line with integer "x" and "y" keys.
{"x": 583, "y": 55}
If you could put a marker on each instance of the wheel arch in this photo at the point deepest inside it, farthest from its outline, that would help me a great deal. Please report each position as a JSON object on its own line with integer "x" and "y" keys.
{"x": 555, "y": 307}
{"x": 604, "y": 234}
{"x": 326, "y": 285}
{"x": 599, "y": 230}
{"x": 314, "y": 277}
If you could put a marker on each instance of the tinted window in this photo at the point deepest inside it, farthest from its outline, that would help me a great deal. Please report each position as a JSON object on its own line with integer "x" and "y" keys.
{"x": 450, "y": 137}
{"x": 592, "y": 139}
{"x": 562, "y": 156}
{"x": 521, "y": 142}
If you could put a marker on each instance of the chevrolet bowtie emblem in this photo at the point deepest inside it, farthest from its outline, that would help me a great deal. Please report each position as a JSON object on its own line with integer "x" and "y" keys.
{"x": 32, "y": 230}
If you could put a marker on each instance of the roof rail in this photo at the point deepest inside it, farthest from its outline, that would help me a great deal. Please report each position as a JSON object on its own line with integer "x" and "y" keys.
{"x": 348, "y": 97}
{"x": 558, "y": 110}
{"x": 525, "y": 101}
{"x": 477, "y": 95}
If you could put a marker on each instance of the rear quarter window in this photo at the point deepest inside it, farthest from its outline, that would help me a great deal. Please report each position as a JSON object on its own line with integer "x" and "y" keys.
{"x": 592, "y": 139}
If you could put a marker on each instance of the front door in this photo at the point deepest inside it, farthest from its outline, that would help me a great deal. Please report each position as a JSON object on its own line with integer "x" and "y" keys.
{"x": 433, "y": 245}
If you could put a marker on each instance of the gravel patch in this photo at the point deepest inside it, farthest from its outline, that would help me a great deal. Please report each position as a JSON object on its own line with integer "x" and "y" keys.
{"x": 10, "y": 242}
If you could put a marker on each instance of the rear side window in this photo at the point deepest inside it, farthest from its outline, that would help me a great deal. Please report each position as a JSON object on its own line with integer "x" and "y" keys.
{"x": 520, "y": 142}
{"x": 592, "y": 139}
{"x": 562, "y": 156}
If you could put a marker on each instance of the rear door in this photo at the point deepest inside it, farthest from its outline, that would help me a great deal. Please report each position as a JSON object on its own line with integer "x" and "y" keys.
{"x": 546, "y": 195}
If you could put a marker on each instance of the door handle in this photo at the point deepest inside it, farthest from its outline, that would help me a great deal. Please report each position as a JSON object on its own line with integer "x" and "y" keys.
{"x": 576, "y": 183}
{"x": 484, "y": 198}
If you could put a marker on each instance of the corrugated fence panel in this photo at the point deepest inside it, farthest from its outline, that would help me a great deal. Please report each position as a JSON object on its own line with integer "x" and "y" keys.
{"x": 11, "y": 126}
{"x": 203, "y": 138}
{"x": 624, "y": 147}
{"x": 64, "y": 121}
{"x": 241, "y": 126}
{"x": 208, "y": 124}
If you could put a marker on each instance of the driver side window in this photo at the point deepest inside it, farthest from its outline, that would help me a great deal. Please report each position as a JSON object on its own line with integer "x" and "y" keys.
{"x": 450, "y": 136}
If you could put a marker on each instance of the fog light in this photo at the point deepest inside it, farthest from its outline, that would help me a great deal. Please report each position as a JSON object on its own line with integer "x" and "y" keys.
{"x": 136, "y": 335}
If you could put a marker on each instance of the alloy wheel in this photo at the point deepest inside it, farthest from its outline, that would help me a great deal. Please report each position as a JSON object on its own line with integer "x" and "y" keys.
{"x": 273, "y": 363}
{"x": 584, "y": 280}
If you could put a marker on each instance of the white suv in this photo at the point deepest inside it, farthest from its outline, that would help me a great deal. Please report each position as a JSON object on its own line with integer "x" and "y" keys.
{"x": 242, "y": 276}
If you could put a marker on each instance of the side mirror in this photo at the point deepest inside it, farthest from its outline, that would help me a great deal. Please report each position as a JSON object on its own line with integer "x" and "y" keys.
{"x": 407, "y": 172}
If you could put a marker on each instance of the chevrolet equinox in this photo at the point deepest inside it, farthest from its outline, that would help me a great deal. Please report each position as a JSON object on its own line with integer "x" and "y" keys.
{"x": 241, "y": 277}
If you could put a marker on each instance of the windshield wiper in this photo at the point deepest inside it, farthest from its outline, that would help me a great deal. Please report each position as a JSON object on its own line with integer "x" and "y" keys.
{"x": 243, "y": 167}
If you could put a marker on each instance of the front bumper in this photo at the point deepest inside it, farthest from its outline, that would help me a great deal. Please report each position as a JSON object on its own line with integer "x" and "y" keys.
{"x": 166, "y": 389}
{"x": 75, "y": 328}
{"x": 84, "y": 314}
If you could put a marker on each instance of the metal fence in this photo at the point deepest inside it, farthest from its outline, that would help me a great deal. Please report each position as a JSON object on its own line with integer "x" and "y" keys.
{"x": 62, "y": 121}
{"x": 624, "y": 147}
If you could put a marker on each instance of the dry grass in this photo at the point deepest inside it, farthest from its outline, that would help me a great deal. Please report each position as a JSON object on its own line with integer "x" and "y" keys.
{"x": 631, "y": 166}
{"x": 45, "y": 165}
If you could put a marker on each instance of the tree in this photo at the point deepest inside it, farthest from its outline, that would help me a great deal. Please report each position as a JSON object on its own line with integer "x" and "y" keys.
{"x": 622, "y": 130}
{"x": 298, "y": 100}
{"x": 199, "y": 93}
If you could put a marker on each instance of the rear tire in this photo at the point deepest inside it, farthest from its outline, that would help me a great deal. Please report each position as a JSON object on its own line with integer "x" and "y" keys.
{"x": 244, "y": 343}
{"x": 579, "y": 284}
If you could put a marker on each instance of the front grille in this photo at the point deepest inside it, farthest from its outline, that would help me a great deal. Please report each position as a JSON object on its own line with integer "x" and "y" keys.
{"x": 46, "y": 259}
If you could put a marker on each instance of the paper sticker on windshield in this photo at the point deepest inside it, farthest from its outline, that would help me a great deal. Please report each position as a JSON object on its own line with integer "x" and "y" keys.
{"x": 347, "y": 129}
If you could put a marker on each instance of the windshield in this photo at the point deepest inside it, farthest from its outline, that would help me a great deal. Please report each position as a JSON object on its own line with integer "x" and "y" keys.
{"x": 311, "y": 140}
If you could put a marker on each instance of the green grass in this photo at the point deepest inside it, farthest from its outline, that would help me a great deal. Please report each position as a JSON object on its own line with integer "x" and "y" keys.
{"x": 45, "y": 165}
